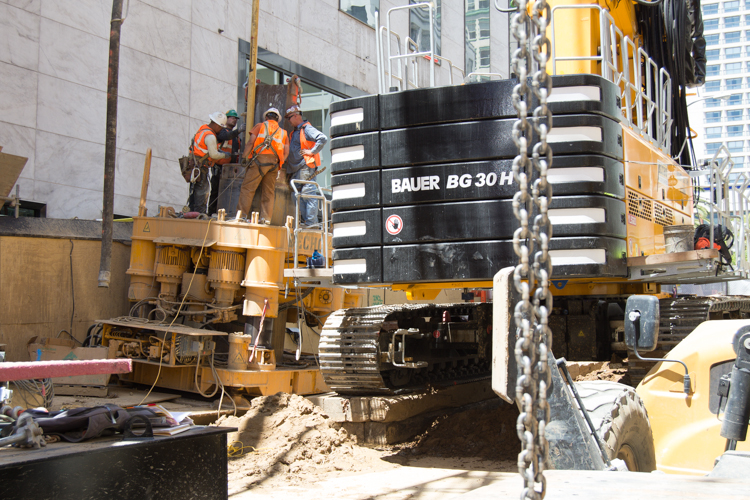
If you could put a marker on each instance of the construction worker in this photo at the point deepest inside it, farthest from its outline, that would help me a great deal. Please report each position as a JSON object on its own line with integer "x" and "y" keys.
{"x": 229, "y": 142}
{"x": 264, "y": 154}
{"x": 303, "y": 162}
{"x": 205, "y": 152}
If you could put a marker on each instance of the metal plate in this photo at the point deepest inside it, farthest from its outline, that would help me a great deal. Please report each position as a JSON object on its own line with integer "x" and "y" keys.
{"x": 357, "y": 228}
{"x": 356, "y": 190}
{"x": 367, "y": 159}
{"x": 354, "y": 116}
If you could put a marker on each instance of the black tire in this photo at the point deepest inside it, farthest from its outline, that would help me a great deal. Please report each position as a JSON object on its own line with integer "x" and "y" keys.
{"x": 621, "y": 422}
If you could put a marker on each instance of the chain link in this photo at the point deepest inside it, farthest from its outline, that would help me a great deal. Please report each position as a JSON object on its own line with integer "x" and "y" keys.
{"x": 531, "y": 279}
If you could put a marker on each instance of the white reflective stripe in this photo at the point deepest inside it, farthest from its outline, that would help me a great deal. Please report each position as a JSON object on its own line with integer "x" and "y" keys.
{"x": 349, "y": 153}
{"x": 347, "y": 116}
{"x": 576, "y": 93}
{"x": 348, "y": 191}
{"x": 355, "y": 228}
{"x": 577, "y": 257}
{"x": 559, "y": 216}
{"x": 350, "y": 266}
{"x": 574, "y": 134}
{"x": 575, "y": 174}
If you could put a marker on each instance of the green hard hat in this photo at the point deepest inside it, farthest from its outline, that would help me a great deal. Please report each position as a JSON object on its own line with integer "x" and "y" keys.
{"x": 233, "y": 113}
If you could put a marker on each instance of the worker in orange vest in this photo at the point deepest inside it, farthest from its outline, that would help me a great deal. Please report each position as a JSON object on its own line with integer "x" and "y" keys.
{"x": 303, "y": 162}
{"x": 204, "y": 151}
{"x": 229, "y": 142}
{"x": 265, "y": 153}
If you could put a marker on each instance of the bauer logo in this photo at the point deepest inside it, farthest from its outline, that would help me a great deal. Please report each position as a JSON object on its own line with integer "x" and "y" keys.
{"x": 452, "y": 181}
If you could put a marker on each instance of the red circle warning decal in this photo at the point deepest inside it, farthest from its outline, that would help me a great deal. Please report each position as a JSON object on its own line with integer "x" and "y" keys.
{"x": 394, "y": 224}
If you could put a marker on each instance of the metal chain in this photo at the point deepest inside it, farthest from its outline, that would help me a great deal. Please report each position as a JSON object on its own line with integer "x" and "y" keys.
{"x": 532, "y": 279}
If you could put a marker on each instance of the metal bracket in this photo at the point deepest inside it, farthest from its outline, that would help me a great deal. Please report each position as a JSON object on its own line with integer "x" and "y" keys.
{"x": 392, "y": 352}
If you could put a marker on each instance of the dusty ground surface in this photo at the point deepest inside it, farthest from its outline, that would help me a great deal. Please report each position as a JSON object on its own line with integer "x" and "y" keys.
{"x": 286, "y": 441}
{"x": 613, "y": 372}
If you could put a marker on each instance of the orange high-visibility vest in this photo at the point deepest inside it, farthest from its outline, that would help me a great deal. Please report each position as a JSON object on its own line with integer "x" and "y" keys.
{"x": 226, "y": 148}
{"x": 199, "y": 148}
{"x": 313, "y": 161}
{"x": 278, "y": 138}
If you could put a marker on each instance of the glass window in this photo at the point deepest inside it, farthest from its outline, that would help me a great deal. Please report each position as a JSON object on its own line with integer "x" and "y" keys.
{"x": 732, "y": 22}
{"x": 735, "y": 146}
{"x": 477, "y": 23}
{"x": 713, "y": 103}
{"x": 712, "y": 55}
{"x": 364, "y": 10}
{"x": 709, "y": 24}
{"x": 710, "y": 9}
{"x": 712, "y": 39}
{"x": 419, "y": 26}
{"x": 734, "y": 83}
{"x": 732, "y": 6}
{"x": 735, "y": 99}
{"x": 734, "y": 115}
{"x": 732, "y": 130}
{"x": 713, "y": 117}
{"x": 713, "y": 70}
{"x": 732, "y": 52}
{"x": 733, "y": 68}
{"x": 713, "y": 86}
{"x": 733, "y": 37}
{"x": 713, "y": 132}
{"x": 712, "y": 147}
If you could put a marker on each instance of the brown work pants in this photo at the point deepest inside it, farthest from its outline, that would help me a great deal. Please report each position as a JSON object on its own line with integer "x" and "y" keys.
{"x": 265, "y": 177}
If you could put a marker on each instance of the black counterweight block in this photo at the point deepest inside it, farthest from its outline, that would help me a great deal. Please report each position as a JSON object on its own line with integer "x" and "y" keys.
{"x": 494, "y": 220}
{"x": 358, "y": 265}
{"x": 492, "y": 139}
{"x": 480, "y": 260}
{"x": 489, "y": 179}
{"x": 354, "y": 116}
{"x": 355, "y": 190}
{"x": 357, "y": 228}
{"x": 352, "y": 153}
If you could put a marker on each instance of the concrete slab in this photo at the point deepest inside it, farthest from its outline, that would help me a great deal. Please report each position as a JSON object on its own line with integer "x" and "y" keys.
{"x": 383, "y": 420}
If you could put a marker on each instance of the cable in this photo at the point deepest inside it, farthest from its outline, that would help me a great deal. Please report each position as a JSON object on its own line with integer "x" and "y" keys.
{"x": 161, "y": 349}
{"x": 69, "y": 335}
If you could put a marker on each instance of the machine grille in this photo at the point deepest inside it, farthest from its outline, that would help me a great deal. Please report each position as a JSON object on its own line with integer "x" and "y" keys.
{"x": 639, "y": 206}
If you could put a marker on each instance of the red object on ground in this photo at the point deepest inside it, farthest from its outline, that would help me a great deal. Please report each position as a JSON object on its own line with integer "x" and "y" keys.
{"x": 53, "y": 369}
{"x": 190, "y": 215}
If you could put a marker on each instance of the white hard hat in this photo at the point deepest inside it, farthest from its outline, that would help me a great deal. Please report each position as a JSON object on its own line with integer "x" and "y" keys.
{"x": 272, "y": 110}
{"x": 218, "y": 118}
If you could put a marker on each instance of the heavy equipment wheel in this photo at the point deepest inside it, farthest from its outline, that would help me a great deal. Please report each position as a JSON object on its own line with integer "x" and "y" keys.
{"x": 621, "y": 421}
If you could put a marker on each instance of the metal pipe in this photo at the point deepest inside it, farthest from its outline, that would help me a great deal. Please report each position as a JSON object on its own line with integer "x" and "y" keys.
{"x": 250, "y": 107}
{"x": 110, "y": 145}
{"x": 142, "y": 210}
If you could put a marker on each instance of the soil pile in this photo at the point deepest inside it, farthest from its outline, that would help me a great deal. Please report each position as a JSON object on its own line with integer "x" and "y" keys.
{"x": 485, "y": 431}
{"x": 613, "y": 372}
{"x": 286, "y": 437}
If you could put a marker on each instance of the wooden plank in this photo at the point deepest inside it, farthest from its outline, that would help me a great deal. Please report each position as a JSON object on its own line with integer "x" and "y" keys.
{"x": 120, "y": 396}
{"x": 11, "y": 167}
{"x": 670, "y": 258}
{"x": 92, "y": 391}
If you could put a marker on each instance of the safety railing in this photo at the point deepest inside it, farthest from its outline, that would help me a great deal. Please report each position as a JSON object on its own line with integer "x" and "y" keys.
{"x": 728, "y": 204}
{"x": 646, "y": 89}
{"x": 324, "y": 204}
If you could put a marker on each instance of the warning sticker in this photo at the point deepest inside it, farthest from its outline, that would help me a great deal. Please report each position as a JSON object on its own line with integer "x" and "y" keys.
{"x": 394, "y": 224}
{"x": 632, "y": 220}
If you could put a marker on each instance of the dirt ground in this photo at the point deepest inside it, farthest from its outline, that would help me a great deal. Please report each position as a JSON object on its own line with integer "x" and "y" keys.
{"x": 285, "y": 440}
{"x": 613, "y": 372}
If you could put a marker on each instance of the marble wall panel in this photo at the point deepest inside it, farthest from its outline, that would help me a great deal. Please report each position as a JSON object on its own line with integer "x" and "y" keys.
{"x": 154, "y": 81}
{"x": 239, "y": 21}
{"x": 318, "y": 22}
{"x": 287, "y": 10}
{"x": 214, "y": 55}
{"x": 34, "y": 6}
{"x": 19, "y": 37}
{"x": 73, "y": 55}
{"x": 126, "y": 205}
{"x": 65, "y": 202}
{"x": 19, "y": 141}
{"x": 210, "y": 14}
{"x": 91, "y": 16}
{"x": 141, "y": 127}
{"x": 18, "y": 97}
{"x": 166, "y": 186}
{"x": 276, "y": 37}
{"x": 179, "y": 8}
{"x": 208, "y": 95}
{"x": 326, "y": 59}
{"x": 26, "y": 189}
{"x": 158, "y": 34}
{"x": 129, "y": 173}
{"x": 68, "y": 161}
{"x": 71, "y": 110}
